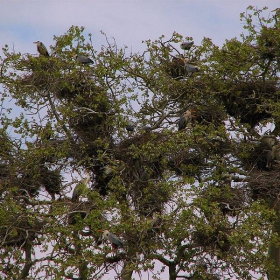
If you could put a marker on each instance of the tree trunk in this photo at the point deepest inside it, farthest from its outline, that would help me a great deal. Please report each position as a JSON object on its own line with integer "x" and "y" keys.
{"x": 126, "y": 272}
{"x": 28, "y": 264}
{"x": 274, "y": 252}
{"x": 172, "y": 271}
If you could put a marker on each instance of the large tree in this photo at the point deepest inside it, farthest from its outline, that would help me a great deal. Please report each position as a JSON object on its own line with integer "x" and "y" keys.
{"x": 202, "y": 200}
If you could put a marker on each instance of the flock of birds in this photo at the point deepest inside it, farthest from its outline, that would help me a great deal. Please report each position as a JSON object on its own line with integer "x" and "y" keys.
{"x": 184, "y": 119}
{"x": 42, "y": 50}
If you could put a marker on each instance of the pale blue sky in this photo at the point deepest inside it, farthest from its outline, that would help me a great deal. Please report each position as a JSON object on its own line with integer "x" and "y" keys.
{"x": 128, "y": 21}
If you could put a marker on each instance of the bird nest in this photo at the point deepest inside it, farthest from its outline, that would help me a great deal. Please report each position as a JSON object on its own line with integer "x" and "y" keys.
{"x": 216, "y": 239}
{"x": 255, "y": 157}
{"x": 246, "y": 100}
{"x": 149, "y": 197}
{"x": 266, "y": 186}
{"x": 176, "y": 68}
{"x": 129, "y": 151}
{"x": 229, "y": 199}
{"x": 209, "y": 114}
{"x": 268, "y": 43}
{"x": 186, "y": 162}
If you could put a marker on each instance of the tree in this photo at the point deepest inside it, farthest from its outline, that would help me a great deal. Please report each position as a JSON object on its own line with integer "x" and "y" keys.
{"x": 201, "y": 201}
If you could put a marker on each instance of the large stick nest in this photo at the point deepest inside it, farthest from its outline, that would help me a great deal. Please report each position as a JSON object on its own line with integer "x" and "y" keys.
{"x": 217, "y": 239}
{"x": 247, "y": 100}
{"x": 265, "y": 185}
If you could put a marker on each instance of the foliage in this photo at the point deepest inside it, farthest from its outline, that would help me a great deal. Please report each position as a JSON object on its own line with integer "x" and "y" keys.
{"x": 201, "y": 201}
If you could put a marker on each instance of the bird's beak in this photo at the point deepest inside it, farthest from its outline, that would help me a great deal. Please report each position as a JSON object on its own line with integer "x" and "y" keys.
{"x": 101, "y": 230}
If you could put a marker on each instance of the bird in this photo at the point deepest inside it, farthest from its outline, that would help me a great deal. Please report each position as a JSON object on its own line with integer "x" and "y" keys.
{"x": 269, "y": 140}
{"x": 191, "y": 68}
{"x": 41, "y": 48}
{"x": 115, "y": 241}
{"x": 80, "y": 188}
{"x": 83, "y": 59}
{"x": 183, "y": 121}
{"x": 130, "y": 126}
{"x": 186, "y": 45}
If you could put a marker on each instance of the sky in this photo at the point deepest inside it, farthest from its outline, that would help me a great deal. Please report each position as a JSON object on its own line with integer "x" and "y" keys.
{"x": 128, "y": 21}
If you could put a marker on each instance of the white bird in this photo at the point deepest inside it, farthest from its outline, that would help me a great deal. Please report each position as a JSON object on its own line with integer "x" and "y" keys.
{"x": 186, "y": 45}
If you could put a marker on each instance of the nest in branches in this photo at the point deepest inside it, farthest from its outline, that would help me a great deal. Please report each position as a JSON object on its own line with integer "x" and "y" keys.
{"x": 209, "y": 114}
{"x": 143, "y": 172}
{"x": 217, "y": 239}
{"x": 42, "y": 69}
{"x": 247, "y": 100}
{"x": 255, "y": 158}
{"x": 40, "y": 63}
{"x": 265, "y": 186}
{"x": 72, "y": 88}
{"x": 176, "y": 67}
{"x": 148, "y": 197}
{"x": 268, "y": 43}
{"x": 38, "y": 80}
{"x": 137, "y": 163}
{"x": 39, "y": 176}
{"x": 19, "y": 231}
{"x": 187, "y": 162}
{"x": 94, "y": 122}
{"x": 229, "y": 199}
{"x": 51, "y": 180}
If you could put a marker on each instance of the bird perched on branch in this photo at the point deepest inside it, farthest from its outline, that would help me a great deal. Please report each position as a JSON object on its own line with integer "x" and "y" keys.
{"x": 114, "y": 240}
{"x": 186, "y": 45}
{"x": 80, "y": 187}
{"x": 130, "y": 126}
{"x": 184, "y": 119}
{"x": 191, "y": 68}
{"x": 41, "y": 48}
{"x": 83, "y": 59}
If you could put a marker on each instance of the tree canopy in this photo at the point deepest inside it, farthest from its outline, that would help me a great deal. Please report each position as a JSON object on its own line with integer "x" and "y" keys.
{"x": 91, "y": 147}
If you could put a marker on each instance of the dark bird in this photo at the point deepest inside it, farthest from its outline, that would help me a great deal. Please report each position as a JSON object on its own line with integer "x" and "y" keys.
{"x": 83, "y": 59}
{"x": 184, "y": 119}
{"x": 114, "y": 240}
{"x": 186, "y": 45}
{"x": 41, "y": 48}
{"x": 130, "y": 126}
